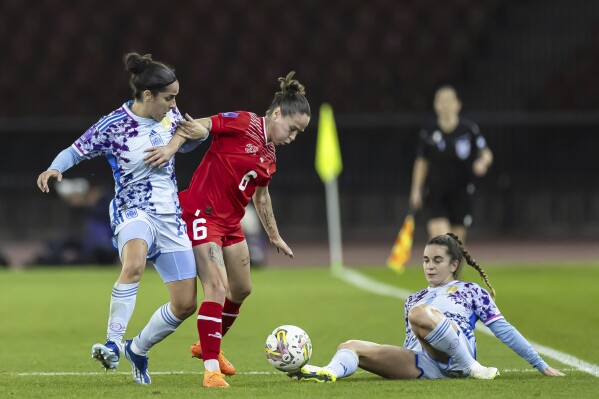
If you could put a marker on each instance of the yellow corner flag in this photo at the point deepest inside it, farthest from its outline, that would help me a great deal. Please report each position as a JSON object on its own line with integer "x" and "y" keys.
{"x": 402, "y": 248}
{"x": 328, "y": 154}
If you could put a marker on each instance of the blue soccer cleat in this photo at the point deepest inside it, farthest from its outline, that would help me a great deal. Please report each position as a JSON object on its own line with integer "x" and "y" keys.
{"x": 139, "y": 365}
{"x": 107, "y": 354}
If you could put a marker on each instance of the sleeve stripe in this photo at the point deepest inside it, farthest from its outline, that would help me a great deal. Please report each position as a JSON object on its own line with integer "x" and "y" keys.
{"x": 109, "y": 120}
{"x": 79, "y": 150}
{"x": 492, "y": 319}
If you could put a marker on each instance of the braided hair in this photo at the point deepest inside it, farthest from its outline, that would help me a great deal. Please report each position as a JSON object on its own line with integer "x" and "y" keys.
{"x": 291, "y": 98}
{"x": 456, "y": 250}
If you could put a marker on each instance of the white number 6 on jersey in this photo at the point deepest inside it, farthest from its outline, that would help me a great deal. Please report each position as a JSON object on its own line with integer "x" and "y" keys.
{"x": 246, "y": 179}
{"x": 199, "y": 230}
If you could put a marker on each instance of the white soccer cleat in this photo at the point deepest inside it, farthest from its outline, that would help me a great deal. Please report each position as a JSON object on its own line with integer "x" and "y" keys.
{"x": 107, "y": 354}
{"x": 313, "y": 373}
{"x": 481, "y": 372}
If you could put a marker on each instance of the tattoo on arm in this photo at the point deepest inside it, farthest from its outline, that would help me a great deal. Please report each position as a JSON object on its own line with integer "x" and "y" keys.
{"x": 245, "y": 261}
{"x": 216, "y": 254}
{"x": 266, "y": 213}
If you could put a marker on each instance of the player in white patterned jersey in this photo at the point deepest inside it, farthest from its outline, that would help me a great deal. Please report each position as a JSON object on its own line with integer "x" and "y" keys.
{"x": 462, "y": 302}
{"x": 440, "y": 320}
{"x": 145, "y": 212}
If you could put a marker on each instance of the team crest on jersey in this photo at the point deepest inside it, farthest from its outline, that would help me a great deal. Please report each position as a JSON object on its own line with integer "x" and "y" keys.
{"x": 131, "y": 213}
{"x": 166, "y": 122}
{"x": 462, "y": 148}
{"x": 229, "y": 114}
{"x": 251, "y": 149}
{"x": 155, "y": 138}
{"x": 451, "y": 289}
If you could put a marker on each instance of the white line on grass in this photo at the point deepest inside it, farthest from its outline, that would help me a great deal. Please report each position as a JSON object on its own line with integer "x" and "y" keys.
{"x": 74, "y": 373}
{"x": 361, "y": 281}
{"x": 78, "y": 374}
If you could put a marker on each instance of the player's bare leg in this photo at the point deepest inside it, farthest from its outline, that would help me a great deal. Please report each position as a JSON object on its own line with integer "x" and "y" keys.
{"x": 388, "y": 361}
{"x": 438, "y": 227}
{"x": 460, "y": 231}
{"x": 237, "y": 263}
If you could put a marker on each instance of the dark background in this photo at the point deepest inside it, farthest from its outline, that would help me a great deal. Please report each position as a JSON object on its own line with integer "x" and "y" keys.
{"x": 526, "y": 71}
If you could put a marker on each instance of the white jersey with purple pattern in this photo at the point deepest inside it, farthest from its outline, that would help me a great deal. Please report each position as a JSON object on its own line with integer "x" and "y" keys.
{"x": 122, "y": 137}
{"x": 463, "y": 303}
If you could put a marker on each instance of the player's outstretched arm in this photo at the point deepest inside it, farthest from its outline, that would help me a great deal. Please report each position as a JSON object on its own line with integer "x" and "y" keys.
{"x": 263, "y": 205}
{"x": 510, "y": 336}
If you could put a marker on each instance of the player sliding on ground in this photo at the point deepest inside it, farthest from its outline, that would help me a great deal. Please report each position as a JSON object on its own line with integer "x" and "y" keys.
{"x": 237, "y": 167}
{"x": 440, "y": 323}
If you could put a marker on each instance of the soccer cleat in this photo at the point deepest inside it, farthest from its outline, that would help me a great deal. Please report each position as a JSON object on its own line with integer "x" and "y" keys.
{"x": 481, "y": 372}
{"x": 225, "y": 366}
{"x": 108, "y": 354}
{"x": 313, "y": 373}
{"x": 139, "y": 365}
{"x": 214, "y": 379}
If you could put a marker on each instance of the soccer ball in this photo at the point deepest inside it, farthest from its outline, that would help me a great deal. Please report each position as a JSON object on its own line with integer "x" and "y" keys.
{"x": 288, "y": 348}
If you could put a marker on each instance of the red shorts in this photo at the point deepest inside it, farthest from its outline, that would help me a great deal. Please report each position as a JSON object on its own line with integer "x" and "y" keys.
{"x": 202, "y": 229}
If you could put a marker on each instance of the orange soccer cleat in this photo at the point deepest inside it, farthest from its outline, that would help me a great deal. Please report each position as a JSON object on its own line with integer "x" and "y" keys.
{"x": 214, "y": 379}
{"x": 225, "y": 366}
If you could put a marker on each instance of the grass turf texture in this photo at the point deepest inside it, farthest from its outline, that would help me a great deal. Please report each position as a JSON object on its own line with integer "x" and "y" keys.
{"x": 51, "y": 317}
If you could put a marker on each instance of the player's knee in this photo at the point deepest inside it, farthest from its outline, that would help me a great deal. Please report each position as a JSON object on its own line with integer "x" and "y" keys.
{"x": 420, "y": 315}
{"x": 133, "y": 269}
{"x": 183, "y": 309}
{"x": 241, "y": 294}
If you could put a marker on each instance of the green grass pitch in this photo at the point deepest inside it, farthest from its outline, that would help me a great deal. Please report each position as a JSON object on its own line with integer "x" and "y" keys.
{"x": 49, "y": 318}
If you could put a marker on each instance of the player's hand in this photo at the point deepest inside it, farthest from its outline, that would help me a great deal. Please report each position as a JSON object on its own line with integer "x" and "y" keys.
{"x": 281, "y": 246}
{"x": 191, "y": 129}
{"x": 480, "y": 167}
{"x": 42, "y": 180}
{"x": 551, "y": 372}
{"x": 159, "y": 156}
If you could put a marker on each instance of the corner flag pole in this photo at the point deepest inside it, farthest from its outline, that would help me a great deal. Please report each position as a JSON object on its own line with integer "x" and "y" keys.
{"x": 329, "y": 166}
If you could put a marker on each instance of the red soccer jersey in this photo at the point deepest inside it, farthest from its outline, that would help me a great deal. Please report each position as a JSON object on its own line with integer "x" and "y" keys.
{"x": 238, "y": 159}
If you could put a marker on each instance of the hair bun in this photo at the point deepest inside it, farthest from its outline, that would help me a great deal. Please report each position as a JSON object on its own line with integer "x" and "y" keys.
{"x": 136, "y": 63}
{"x": 292, "y": 86}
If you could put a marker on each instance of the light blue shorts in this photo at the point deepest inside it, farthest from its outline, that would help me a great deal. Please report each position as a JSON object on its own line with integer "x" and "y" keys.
{"x": 169, "y": 247}
{"x": 431, "y": 368}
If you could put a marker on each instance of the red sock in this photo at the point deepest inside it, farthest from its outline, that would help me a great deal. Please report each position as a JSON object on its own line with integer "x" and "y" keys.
{"x": 230, "y": 313}
{"x": 209, "y": 329}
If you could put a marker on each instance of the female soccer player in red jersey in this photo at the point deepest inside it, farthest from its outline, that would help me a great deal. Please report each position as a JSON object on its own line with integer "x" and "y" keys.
{"x": 237, "y": 167}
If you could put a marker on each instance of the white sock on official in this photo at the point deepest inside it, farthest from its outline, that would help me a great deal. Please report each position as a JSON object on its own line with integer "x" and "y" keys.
{"x": 344, "y": 363}
{"x": 162, "y": 324}
{"x": 122, "y": 303}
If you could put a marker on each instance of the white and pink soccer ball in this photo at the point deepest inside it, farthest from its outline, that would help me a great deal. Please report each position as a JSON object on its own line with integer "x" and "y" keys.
{"x": 288, "y": 348}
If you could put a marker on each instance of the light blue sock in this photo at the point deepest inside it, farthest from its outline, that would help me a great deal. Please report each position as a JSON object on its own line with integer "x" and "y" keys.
{"x": 162, "y": 324}
{"x": 445, "y": 339}
{"x": 344, "y": 363}
{"x": 122, "y": 303}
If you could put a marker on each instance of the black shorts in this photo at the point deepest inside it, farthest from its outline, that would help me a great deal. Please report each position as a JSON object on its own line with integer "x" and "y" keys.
{"x": 454, "y": 204}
